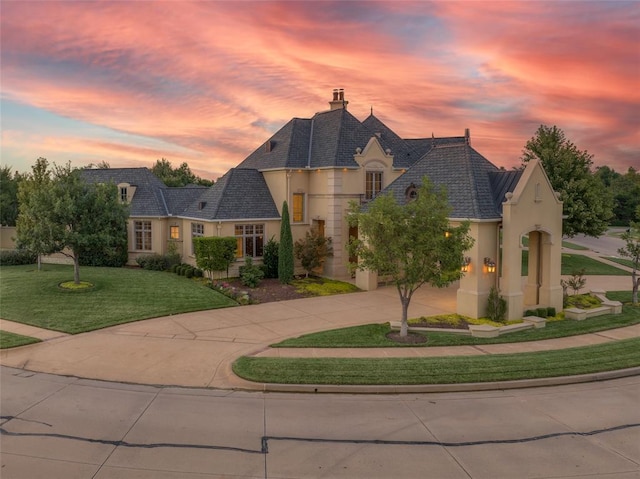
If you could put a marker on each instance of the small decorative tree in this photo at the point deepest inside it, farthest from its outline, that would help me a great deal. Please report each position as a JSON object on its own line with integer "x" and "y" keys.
{"x": 312, "y": 250}
{"x": 215, "y": 253}
{"x": 631, "y": 250}
{"x": 285, "y": 251}
{"x": 577, "y": 281}
{"x": 250, "y": 274}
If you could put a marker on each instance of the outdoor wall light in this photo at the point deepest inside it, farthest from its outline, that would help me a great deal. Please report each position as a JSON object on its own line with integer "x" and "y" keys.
{"x": 466, "y": 262}
{"x": 490, "y": 264}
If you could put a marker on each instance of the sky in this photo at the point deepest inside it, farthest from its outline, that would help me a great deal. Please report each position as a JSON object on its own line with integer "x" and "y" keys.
{"x": 207, "y": 82}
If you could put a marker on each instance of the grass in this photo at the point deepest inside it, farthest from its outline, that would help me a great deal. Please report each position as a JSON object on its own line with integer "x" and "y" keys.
{"x": 572, "y": 263}
{"x": 12, "y": 340}
{"x": 374, "y": 335}
{"x": 442, "y": 370}
{"x": 119, "y": 295}
{"x": 622, "y": 261}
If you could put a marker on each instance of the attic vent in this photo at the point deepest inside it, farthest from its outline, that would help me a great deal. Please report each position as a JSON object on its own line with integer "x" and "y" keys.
{"x": 269, "y": 145}
{"x": 201, "y": 205}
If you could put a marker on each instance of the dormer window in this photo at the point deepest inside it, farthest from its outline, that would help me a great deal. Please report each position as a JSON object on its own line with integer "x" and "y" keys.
{"x": 124, "y": 197}
{"x": 373, "y": 184}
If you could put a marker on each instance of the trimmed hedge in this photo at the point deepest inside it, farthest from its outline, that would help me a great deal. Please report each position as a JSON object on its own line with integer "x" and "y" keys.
{"x": 17, "y": 257}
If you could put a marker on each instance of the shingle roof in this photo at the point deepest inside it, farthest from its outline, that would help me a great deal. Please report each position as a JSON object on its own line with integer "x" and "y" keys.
{"x": 503, "y": 182}
{"x": 148, "y": 199}
{"x": 242, "y": 193}
{"x": 463, "y": 171}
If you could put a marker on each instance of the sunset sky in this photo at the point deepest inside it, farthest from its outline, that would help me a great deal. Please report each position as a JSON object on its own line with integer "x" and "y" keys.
{"x": 207, "y": 82}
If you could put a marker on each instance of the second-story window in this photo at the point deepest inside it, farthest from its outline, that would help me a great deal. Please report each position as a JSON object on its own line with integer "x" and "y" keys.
{"x": 373, "y": 184}
{"x": 298, "y": 207}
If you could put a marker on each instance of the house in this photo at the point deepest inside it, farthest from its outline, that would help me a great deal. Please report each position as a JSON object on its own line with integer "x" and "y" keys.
{"x": 321, "y": 164}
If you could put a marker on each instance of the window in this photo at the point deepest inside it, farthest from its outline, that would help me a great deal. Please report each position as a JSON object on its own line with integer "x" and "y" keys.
{"x": 197, "y": 231}
{"x": 298, "y": 207}
{"x": 373, "y": 184}
{"x": 123, "y": 194}
{"x": 250, "y": 239}
{"x": 174, "y": 232}
{"x": 142, "y": 231}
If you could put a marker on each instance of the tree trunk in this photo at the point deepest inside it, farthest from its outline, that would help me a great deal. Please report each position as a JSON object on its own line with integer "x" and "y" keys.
{"x": 636, "y": 283}
{"x": 76, "y": 269}
{"x": 404, "y": 327}
{"x": 39, "y": 262}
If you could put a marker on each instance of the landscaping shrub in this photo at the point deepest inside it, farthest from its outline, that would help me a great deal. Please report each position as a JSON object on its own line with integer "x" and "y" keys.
{"x": 270, "y": 259}
{"x": 114, "y": 257}
{"x": 530, "y": 312}
{"x": 174, "y": 268}
{"x": 189, "y": 273}
{"x": 198, "y": 273}
{"x": 215, "y": 253}
{"x": 312, "y": 251}
{"x": 541, "y": 312}
{"x": 496, "y": 306}
{"x": 551, "y": 312}
{"x": 285, "y": 249}
{"x": 17, "y": 257}
{"x": 250, "y": 274}
{"x": 153, "y": 262}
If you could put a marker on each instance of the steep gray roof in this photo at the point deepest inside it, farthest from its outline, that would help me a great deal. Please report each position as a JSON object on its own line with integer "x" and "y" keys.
{"x": 178, "y": 199}
{"x": 503, "y": 182}
{"x": 241, "y": 193}
{"x": 463, "y": 171}
{"x": 148, "y": 199}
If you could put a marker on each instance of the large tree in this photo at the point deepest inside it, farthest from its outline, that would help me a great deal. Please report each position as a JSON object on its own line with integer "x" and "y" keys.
{"x": 180, "y": 176}
{"x": 9, "y": 196}
{"x": 412, "y": 243}
{"x": 36, "y": 231}
{"x": 625, "y": 190}
{"x": 587, "y": 204}
{"x": 59, "y": 212}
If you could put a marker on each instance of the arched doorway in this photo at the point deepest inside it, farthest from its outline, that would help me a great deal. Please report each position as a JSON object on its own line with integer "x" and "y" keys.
{"x": 537, "y": 275}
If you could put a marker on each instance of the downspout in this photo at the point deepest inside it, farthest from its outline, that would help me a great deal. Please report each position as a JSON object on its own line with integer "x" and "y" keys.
{"x": 498, "y": 256}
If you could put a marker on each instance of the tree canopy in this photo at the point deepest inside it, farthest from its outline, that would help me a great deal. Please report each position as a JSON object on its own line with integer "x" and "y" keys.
{"x": 631, "y": 250}
{"x": 412, "y": 243}
{"x": 59, "y": 212}
{"x": 586, "y": 203}
{"x": 9, "y": 196}
{"x": 180, "y": 176}
{"x": 625, "y": 190}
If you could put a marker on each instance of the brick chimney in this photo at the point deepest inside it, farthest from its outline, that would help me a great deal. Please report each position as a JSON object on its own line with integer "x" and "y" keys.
{"x": 338, "y": 99}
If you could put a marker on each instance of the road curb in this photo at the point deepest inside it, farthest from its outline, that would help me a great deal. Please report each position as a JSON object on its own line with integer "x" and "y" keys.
{"x": 245, "y": 385}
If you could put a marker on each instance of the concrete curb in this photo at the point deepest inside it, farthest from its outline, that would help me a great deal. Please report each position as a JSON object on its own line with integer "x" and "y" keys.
{"x": 435, "y": 388}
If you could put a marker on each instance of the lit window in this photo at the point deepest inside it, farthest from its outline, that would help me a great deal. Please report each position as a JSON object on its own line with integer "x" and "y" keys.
{"x": 123, "y": 194}
{"x": 250, "y": 240}
{"x": 142, "y": 230}
{"x": 197, "y": 231}
{"x": 373, "y": 184}
{"x": 298, "y": 207}
{"x": 174, "y": 232}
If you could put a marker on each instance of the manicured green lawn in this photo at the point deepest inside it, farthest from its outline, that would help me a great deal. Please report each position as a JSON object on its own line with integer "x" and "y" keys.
{"x": 374, "y": 335}
{"x": 566, "y": 244}
{"x": 119, "y": 295}
{"x": 572, "y": 263}
{"x": 12, "y": 340}
{"x": 622, "y": 261}
{"x": 441, "y": 370}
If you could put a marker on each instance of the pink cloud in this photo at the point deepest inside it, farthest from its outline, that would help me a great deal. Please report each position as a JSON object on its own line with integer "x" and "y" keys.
{"x": 214, "y": 79}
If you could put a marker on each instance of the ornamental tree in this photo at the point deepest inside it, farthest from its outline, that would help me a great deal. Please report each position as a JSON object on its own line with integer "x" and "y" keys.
{"x": 285, "y": 248}
{"x": 412, "y": 243}
{"x": 631, "y": 250}
{"x": 215, "y": 253}
{"x": 312, "y": 250}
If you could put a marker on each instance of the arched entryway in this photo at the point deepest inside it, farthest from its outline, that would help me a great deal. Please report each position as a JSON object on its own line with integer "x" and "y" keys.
{"x": 537, "y": 248}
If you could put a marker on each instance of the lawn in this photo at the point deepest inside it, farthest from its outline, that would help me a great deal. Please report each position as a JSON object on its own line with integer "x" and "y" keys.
{"x": 441, "y": 370}
{"x": 374, "y": 335}
{"x": 572, "y": 263}
{"x": 119, "y": 295}
{"x": 622, "y": 261}
{"x": 12, "y": 340}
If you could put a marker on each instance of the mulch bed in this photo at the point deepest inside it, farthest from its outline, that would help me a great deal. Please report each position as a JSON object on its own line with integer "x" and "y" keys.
{"x": 462, "y": 324}
{"x": 410, "y": 338}
{"x": 269, "y": 290}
